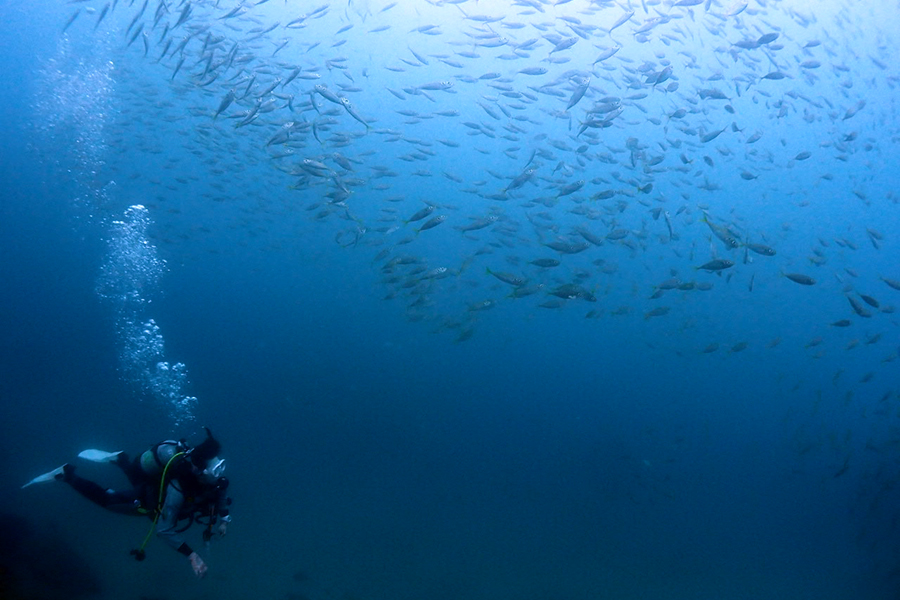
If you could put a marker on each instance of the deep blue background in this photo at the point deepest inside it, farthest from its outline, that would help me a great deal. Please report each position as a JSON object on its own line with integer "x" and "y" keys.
{"x": 550, "y": 456}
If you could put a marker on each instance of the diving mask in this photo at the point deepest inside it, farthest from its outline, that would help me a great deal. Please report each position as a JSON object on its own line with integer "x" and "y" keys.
{"x": 215, "y": 468}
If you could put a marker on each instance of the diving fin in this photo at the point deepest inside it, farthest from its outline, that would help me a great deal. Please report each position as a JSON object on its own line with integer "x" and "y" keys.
{"x": 99, "y": 456}
{"x": 53, "y": 475}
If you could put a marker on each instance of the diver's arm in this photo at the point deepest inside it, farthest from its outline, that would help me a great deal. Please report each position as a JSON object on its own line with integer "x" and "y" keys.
{"x": 222, "y": 504}
{"x": 223, "y": 516}
{"x": 168, "y": 520}
{"x": 221, "y": 521}
{"x": 167, "y": 525}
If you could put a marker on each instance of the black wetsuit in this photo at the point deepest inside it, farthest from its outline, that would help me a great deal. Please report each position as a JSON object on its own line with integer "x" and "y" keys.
{"x": 136, "y": 501}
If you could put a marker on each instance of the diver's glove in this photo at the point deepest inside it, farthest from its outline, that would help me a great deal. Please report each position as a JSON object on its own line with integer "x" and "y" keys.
{"x": 197, "y": 564}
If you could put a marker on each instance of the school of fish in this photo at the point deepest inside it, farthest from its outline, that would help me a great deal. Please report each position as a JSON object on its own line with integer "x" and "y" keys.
{"x": 553, "y": 156}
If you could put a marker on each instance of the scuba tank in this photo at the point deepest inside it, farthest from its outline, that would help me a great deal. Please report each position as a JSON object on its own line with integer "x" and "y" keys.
{"x": 154, "y": 460}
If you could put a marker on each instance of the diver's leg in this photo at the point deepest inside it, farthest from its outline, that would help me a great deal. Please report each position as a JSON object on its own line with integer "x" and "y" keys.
{"x": 109, "y": 499}
{"x": 132, "y": 469}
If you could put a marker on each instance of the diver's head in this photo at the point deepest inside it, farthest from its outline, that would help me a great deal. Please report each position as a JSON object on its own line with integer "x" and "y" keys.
{"x": 206, "y": 450}
{"x": 205, "y": 457}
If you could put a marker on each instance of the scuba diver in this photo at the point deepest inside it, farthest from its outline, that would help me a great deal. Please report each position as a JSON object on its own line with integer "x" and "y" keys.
{"x": 171, "y": 483}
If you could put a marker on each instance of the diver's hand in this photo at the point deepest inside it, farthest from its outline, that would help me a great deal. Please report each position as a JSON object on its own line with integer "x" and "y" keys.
{"x": 197, "y": 564}
{"x": 222, "y": 529}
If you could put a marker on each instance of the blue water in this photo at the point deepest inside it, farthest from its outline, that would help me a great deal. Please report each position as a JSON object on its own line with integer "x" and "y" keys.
{"x": 394, "y": 432}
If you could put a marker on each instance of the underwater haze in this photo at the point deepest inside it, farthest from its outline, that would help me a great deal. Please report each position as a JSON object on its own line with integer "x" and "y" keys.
{"x": 484, "y": 299}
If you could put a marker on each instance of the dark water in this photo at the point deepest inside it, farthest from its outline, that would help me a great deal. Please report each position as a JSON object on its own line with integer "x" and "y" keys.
{"x": 416, "y": 446}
